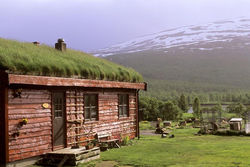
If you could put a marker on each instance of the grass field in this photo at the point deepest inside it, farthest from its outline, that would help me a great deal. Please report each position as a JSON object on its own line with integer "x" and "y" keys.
{"x": 185, "y": 150}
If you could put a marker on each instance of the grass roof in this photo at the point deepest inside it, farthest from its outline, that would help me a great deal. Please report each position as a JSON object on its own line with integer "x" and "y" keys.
{"x": 29, "y": 59}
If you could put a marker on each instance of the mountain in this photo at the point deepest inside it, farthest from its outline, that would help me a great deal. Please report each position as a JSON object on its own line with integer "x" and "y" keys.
{"x": 221, "y": 31}
{"x": 213, "y": 57}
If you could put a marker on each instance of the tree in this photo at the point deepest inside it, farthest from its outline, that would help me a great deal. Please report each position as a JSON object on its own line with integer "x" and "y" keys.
{"x": 150, "y": 108}
{"x": 170, "y": 111}
{"x": 245, "y": 114}
{"x": 218, "y": 111}
{"x": 182, "y": 103}
{"x": 237, "y": 108}
{"x": 189, "y": 100}
{"x": 196, "y": 108}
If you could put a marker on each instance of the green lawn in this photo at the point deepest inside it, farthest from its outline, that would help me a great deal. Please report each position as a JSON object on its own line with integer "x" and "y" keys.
{"x": 187, "y": 115}
{"x": 185, "y": 149}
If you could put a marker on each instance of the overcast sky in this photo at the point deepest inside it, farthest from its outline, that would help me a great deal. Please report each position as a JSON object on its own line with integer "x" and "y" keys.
{"x": 93, "y": 24}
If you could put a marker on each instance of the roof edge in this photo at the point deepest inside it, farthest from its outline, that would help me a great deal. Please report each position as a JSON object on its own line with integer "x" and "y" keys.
{"x": 71, "y": 82}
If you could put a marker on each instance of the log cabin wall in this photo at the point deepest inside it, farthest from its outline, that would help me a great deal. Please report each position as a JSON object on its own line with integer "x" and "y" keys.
{"x": 108, "y": 121}
{"x": 34, "y": 138}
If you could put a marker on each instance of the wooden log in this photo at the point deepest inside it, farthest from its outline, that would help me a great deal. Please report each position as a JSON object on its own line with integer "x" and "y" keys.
{"x": 58, "y": 81}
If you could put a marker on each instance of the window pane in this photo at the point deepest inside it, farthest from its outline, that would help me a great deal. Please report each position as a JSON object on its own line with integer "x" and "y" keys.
{"x": 93, "y": 113}
{"x": 87, "y": 115}
{"x": 86, "y": 100}
{"x": 120, "y": 99}
{"x": 120, "y": 110}
{"x": 125, "y": 99}
{"x": 123, "y": 105}
{"x": 60, "y": 114}
{"x": 90, "y": 106}
{"x": 125, "y": 110}
{"x": 93, "y": 100}
{"x": 58, "y": 106}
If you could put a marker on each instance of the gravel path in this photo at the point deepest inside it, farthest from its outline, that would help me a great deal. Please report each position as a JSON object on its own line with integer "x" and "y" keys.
{"x": 148, "y": 132}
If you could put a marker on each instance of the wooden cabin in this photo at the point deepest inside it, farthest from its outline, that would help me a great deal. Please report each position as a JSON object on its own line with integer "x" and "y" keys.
{"x": 42, "y": 112}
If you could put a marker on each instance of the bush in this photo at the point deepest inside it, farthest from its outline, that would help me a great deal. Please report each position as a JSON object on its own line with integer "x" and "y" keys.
{"x": 126, "y": 141}
{"x": 231, "y": 133}
{"x": 152, "y": 108}
{"x": 203, "y": 130}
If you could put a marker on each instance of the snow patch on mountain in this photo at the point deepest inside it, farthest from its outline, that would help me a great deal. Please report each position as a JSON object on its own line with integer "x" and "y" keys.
{"x": 222, "y": 31}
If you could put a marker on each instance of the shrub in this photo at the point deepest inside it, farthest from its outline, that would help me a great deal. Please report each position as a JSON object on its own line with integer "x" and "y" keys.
{"x": 231, "y": 133}
{"x": 126, "y": 141}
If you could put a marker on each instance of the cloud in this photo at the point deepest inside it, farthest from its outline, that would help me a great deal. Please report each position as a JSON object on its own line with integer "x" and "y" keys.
{"x": 106, "y": 22}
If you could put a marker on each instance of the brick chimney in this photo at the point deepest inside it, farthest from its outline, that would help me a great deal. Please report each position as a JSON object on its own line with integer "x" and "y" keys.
{"x": 60, "y": 45}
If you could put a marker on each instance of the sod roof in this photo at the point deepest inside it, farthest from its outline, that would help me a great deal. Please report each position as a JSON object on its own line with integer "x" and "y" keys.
{"x": 29, "y": 59}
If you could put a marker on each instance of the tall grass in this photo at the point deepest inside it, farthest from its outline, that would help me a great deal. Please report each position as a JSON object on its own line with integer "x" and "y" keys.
{"x": 26, "y": 58}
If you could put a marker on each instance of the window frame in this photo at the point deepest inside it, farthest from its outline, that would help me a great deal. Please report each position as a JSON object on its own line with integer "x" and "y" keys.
{"x": 89, "y": 107}
{"x": 124, "y": 103}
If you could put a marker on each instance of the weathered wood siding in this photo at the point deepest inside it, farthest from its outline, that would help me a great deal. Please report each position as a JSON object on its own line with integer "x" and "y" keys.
{"x": 35, "y": 137}
{"x": 108, "y": 120}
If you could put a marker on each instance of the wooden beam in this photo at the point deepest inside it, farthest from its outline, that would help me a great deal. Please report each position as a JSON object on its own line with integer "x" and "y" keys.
{"x": 137, "y": 115}
{"x": 4, "y": 136}
{"x": 58, "y": 81}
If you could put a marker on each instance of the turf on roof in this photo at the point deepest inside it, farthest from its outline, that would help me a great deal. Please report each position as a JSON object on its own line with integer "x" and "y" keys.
{"x": 26, "y": 58}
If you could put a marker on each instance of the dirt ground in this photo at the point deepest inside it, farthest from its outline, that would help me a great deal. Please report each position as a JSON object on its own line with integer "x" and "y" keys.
{"x": 148, "y": 132}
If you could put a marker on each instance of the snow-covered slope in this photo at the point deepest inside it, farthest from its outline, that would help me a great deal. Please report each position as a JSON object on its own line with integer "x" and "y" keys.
{"x": 222, "y": 31}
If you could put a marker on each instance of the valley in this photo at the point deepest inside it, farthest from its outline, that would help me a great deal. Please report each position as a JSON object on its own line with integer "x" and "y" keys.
{"x": 203, "y": 60}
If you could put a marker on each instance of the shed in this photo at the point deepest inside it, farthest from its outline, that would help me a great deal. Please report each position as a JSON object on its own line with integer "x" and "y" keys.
{"x": 166, "y": 123}
{"x": 52, "y": 99}
{"x": 235, "y": 124}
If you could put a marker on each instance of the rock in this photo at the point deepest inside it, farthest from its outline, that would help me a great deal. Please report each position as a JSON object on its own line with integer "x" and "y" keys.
{"x": 189, "y": 120}
{"x": 165, "y": 132}
{"x": 182, "y": 123}
{"x": 163, "y": 135}
{"x": 158, "y": 131}
{"x": 167, "y": 123}
{"x": 215, "y": 126}
{"x": 171, "y": 136}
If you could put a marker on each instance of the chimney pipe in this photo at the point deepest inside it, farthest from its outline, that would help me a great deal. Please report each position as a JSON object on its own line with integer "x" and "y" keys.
{"x": 36, "y": 43}
{"x": 60, "y": 45}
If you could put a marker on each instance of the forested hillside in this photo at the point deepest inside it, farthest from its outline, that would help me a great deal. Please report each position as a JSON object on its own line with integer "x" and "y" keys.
{"x": 211, "y": 75}
{"x": 210, "y": 61}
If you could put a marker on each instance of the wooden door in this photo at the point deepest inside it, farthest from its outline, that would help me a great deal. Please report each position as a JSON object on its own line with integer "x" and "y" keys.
{"x": 58, "y": 109}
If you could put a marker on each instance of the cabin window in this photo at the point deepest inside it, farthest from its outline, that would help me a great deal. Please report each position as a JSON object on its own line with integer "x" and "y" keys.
{"x": 123, "y": 105}
{"x": 90, "y": 106}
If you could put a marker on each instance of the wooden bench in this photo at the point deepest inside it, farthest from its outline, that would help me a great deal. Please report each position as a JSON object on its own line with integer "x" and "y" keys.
{"x": 105, "y": 138}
